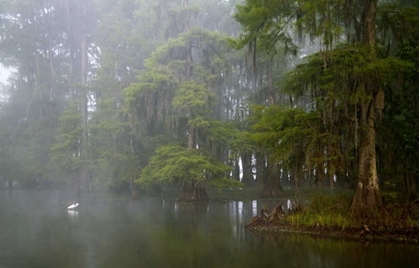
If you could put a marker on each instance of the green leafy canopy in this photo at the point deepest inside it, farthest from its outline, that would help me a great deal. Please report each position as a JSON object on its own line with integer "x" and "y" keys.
{"x": 174, "y": 162}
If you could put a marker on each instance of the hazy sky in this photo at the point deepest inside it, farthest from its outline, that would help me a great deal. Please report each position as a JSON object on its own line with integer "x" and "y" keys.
{"x": 4, "y": 74}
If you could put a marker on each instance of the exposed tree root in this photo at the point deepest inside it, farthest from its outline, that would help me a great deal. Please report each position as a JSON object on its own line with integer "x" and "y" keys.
{"x": 274, "y": 218}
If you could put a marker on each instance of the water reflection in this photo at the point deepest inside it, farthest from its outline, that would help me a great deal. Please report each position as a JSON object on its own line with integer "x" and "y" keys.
{"x": 73, "y": 214}
{"x": 315, "y": 251}
{"x": 254, "y": 208}
{"x": 36, "y": 230}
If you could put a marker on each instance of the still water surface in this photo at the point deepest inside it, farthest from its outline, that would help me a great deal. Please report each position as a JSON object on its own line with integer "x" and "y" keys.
{"x": 36, "y": 230}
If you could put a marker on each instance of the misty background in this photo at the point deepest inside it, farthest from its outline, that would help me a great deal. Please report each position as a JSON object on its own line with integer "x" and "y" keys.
{"x": 132, "y": 96}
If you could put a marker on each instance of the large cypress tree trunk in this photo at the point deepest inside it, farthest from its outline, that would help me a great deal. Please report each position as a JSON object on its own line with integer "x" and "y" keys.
{"x": 271, "y": 181}
{"x": 193, "y": 191}
{"x": 247, "y": 175}
{"x": 367, "y": 199}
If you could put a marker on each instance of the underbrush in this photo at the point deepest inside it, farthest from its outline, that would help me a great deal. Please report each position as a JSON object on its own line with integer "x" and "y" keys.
{"x": 323, "y": 210}
{"x": 332, "y": 211}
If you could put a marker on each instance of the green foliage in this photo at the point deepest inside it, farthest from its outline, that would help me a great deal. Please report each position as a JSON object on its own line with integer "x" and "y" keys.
{"x": 339, "y": 74}
{"x": 172, "y": 163}
{"x": 191, "y": 97}
{"x": 264, "y": 25}
{"x": 65, "y": 154}
{"x": 114, "y": 163}
{"x": 226, "y": 183}
{"x": 227, "y": 134}
{"x": 175, "y": 93}
{"x": 341, "y": 81}
{"x": 338, "y": 203}
{"x": 397, "y": 22}
{"x": 330, "y": 211}
{"x": 165, "y": 82}
{"x": 284, "y": 133}
{"x": 400, "y": 129}
{"x": 328, "y": 220}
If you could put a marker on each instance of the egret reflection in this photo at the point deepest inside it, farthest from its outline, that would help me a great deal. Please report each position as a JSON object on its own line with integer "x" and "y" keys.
{"x": 73, "y": 214}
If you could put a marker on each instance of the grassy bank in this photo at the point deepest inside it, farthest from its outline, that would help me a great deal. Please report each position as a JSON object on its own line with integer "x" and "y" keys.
{"x": 329, "y": 214}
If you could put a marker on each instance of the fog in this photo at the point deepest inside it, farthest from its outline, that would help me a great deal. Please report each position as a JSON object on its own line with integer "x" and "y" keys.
{"x": 63, "y": 105}
{"x": 4, "y": 74}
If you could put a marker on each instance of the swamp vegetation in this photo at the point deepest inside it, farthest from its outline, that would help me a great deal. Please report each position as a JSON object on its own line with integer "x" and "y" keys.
{"x": 131, "y": 96}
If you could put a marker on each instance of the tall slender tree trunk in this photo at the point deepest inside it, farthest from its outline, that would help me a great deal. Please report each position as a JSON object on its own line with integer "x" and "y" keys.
{"x": 52, "y": 70}
{"x": 236, "y": 168}
{"x": 191, "y": 143}
{"x": 297, "y": 182}
{"x": 271, "y": 179}
{"x": 85, "y": 176}
{"x": 135, "y": 191}
{"x": 70, "y": 79}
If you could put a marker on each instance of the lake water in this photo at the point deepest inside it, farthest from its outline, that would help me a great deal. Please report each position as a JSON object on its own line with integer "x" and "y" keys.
{"x": 36, "y": 230}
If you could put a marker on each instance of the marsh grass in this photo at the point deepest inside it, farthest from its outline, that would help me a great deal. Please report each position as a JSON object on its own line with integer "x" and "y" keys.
{"x": 323, "y": 210}
{"x": 332, "y": 211}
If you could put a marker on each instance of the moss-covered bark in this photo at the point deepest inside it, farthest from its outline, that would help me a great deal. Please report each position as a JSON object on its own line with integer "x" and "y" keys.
{"x": 367, "y": 199}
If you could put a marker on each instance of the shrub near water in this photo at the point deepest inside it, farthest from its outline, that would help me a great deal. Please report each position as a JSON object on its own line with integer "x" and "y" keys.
{"x": 324, "y": 211}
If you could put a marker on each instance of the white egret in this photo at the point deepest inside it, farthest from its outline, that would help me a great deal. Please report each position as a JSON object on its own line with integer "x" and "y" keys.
{"x": 73, "y": 206}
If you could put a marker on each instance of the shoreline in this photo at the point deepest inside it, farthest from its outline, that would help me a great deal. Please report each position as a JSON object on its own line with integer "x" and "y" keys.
{"x": 362, "y": 234}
